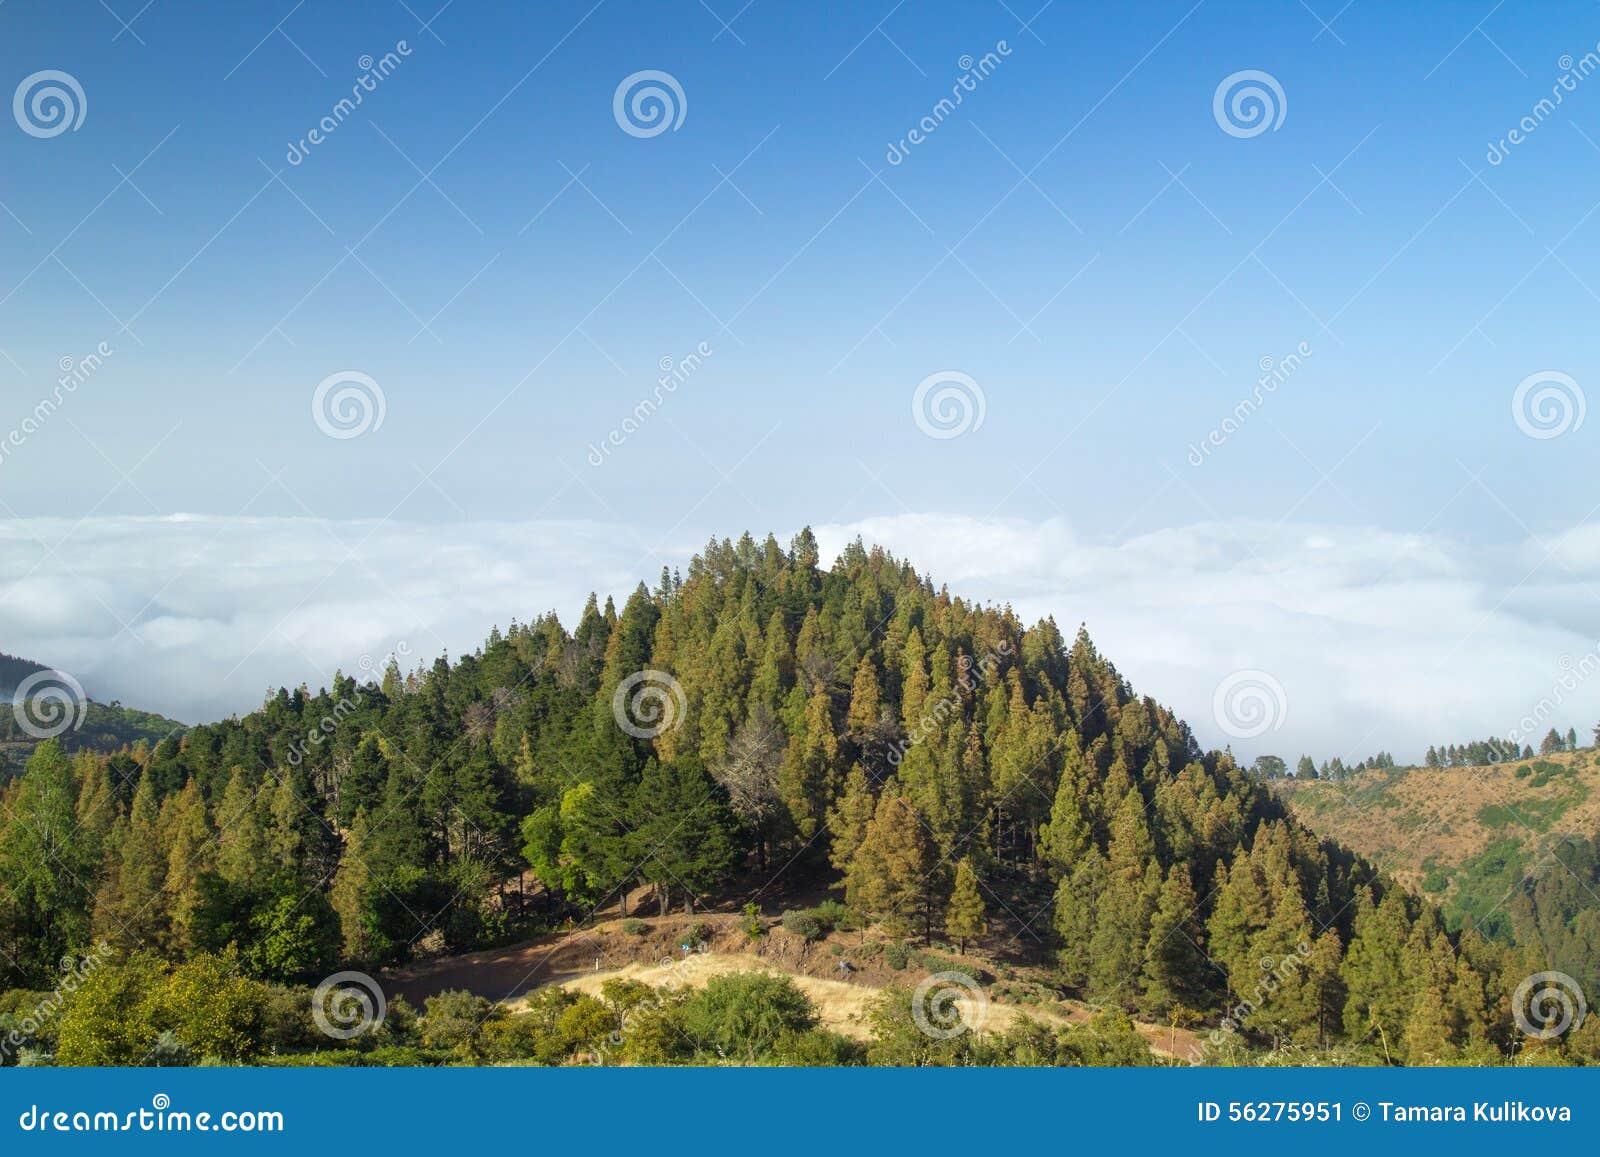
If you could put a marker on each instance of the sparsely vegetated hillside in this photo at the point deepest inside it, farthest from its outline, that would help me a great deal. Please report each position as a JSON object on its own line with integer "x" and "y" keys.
{"x": 945, "y": 768}
{"x": 1506, "y": 846}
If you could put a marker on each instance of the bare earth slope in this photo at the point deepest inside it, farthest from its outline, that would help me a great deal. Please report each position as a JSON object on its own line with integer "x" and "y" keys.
{"x": 585, "y": 959}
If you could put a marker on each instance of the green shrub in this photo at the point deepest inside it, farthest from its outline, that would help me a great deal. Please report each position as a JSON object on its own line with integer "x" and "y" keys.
{"x": 742, "y": 1015}
{"x": 896, "y": 955}
{"x": 454, "y": 1019}
{"x": 125, "y": 1011}
{"x": 835, "y": 915}
{"x": 936, "y": 963}
{"x": 401, "y": 1056}
{"x": 634, "y": 926}
{"x": 697, "y": 934}
{"x": 549, "y": 1032}
{"x": 168, "y": 1052}
{"x": 754, "y": 926}
{"x": 392, "y": 1056}
{"x": 1109, "y": 1039}
{"x": 22, "y": 1001}
{"x": 819, "y": 1048}
{"x": 804, "y": 924}
{"x": 286, "y": 1024}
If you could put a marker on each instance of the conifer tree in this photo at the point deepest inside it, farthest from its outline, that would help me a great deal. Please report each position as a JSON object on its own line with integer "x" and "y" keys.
{"x": 888, "y": 878}
{"x": 963, "y": 919}
{"x": 1068, "y": 835}
{"x": 350, "y": 893}
{"x": 1380, "y": 998}
{"x": 1122, "y": 928}
{"x": 1174, "y": 969}
{"x": 864, "y": 698}
{"x": 849, "y": 819}
{"x": 129, "y": 912}
{"x": 191, "y": 852}
{"x": 684, "y": 835}
{"x": 808, "y": 773}
{"x": 1290, "y": 1003}
{"x": 46, "y": 872}
{"x": 242, "y": 845}
{"x": 1077, "y": 901}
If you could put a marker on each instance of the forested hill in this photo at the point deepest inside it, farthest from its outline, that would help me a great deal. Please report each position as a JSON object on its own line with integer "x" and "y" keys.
{"x": 14, "y": 670}
{"x": 757, "y": 718}
{"x": 44, "y": 702}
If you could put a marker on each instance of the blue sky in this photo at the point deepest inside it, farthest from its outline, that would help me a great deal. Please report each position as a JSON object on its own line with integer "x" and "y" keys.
{"x": 1080, "y": 237}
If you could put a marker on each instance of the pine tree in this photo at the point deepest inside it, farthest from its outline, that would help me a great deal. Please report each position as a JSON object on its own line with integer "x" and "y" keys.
{"x": 1068, "y": 835}
{"x": 242, "y": 846}
{"x": 46, "y": 872}
{"x": 1380, "y": 999}
{"x": 1290, "y": 1002}
{"x": 1240, "y": 911}
{"x": 809, "y": 767}
{"x": 1077, "y": 900}
{"x": 1122, "y": 928}
{"x": 1322, "y": 975}
{"x": 684, "y": 835}
{"x": 96, "y": 807}
{"x": 849, "y": 819}
{"x": 1174, "y": 968}
{"x": 864, "y": 698}
{"x": 191, "y": 852}
{"x": 129, "y": 912}
{"x": 914, "y": 684}
{"x": 963, "y": 919}
{"x": 349, "y": 895}
{"x": 888, "y": 878}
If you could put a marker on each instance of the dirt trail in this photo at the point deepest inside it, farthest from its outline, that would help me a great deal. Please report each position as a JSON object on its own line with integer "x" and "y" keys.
{"x": 585, "y": 959}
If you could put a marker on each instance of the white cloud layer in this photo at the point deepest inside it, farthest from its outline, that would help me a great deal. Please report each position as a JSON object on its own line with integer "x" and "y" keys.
{"x": 1379, "y": 640}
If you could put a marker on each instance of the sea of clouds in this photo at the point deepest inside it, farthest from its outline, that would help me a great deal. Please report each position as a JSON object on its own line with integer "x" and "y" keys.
{"x": 1379, "y": 640}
